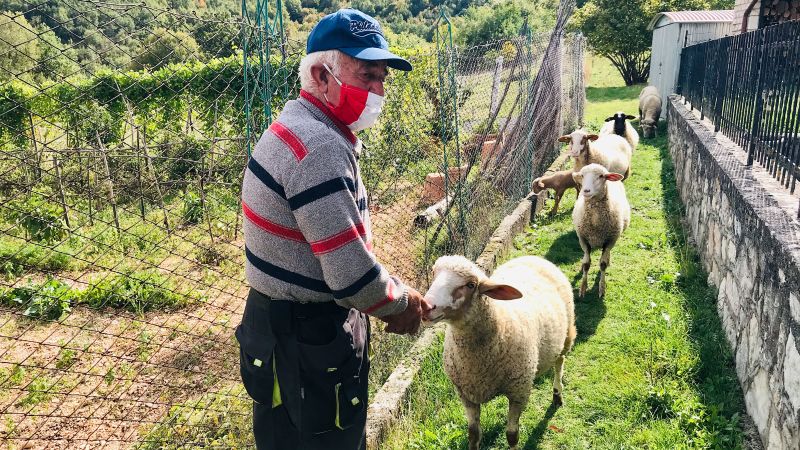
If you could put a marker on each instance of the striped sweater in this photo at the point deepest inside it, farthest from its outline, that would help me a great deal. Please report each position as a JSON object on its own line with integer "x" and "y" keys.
{"x": 307, "y": 228}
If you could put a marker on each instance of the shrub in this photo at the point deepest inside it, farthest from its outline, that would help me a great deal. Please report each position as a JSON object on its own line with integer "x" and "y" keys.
{"x": 19, "y": 256}
{"x": 47, "y": 301}
{"x": 137, "y": 292}
{"x": 39, "y": 218}
{"x": 192, "y": 208}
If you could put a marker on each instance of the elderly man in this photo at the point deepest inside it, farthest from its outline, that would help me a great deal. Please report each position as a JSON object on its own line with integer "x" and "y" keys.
{"x": 313, "y": 276}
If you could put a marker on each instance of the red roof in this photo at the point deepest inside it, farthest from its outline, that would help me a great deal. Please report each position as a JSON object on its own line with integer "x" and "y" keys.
{"x": 693, "y": 16}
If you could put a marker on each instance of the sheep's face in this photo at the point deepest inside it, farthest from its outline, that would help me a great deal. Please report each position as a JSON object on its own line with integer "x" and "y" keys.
{"x": 538, "y": 185}
{"x": 619, "y": 119}
{"x": 649, "y": 128}
{"x": 457, "y": 283}
{"x": 592, "y": 179}
{"x": 578, "y": 142}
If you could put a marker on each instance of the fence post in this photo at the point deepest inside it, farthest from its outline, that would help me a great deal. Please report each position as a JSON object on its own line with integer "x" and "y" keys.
{"x": 722, "y": 81}
{"x": 61, "y": 193}
{"x": 498, "y": 70}
{"x": 759, "y": 99}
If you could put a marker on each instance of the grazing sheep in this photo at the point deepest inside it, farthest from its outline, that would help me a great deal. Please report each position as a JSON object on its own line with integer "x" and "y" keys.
{"x": 619, "y": 124}
{"x": 559, "y": 182}
{"x": 600, "y": 215}
{"x": 610, "y": 151}
{"x": 496, "y": 347}
{"x": 649, "y": 111}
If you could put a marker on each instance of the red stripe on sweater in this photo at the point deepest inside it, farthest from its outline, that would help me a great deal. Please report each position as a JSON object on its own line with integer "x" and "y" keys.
{"x": 389, "y": 298}
{"x": 290, "y": 139}
{"x": 327, "y": 111}
{"x": 272, "y": 227}
{"x": 338, "y": 240}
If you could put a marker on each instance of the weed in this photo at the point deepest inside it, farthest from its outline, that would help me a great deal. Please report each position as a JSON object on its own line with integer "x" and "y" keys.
{"x": 66, "y": 358}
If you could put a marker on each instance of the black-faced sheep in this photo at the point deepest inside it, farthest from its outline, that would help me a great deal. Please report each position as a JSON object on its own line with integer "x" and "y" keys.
{"x": 649, "y": 111}
{"x": 502, "y": 332}
{"x": 600, "y": 215}
{"x": 619, "y": 124}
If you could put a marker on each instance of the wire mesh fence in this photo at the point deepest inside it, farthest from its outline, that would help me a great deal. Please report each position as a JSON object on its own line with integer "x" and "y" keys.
{"x": 122, "y": 154}
{"x": 748, "y": 86}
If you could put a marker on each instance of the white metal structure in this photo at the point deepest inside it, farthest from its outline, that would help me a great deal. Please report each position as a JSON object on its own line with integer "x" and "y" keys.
{"x": 674, "y": 30}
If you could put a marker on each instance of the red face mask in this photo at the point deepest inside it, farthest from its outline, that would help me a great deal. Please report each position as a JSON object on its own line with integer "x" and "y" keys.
{"x": 357, "y": 108}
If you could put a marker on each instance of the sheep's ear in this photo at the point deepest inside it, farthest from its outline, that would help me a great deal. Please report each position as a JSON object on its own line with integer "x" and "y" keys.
{"x": 593, "y": 137}
{"x": 539, "y": 182}
{"x": 611, "y": 176}
{"x": 578, "y": 177}
{"x": 499, "y": 291}
{"x": 609, "y": 119}
{"x": 564, "y": 139}
{"x": 629, "y": 117}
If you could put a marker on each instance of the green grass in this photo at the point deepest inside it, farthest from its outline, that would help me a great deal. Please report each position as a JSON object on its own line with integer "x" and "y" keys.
{"x": 651, "y": 367}
{"x": 607, "y": 93}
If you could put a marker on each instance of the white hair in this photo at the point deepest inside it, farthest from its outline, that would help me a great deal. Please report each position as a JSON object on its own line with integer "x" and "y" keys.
{"x": 333, "y": 58}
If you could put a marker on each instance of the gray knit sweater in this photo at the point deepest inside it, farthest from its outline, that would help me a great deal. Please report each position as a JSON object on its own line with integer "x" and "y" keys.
{"x": 307, "y": 228}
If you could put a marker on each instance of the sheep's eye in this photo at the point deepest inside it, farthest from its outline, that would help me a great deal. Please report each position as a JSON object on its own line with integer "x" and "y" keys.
{"x": 471, "y": 285}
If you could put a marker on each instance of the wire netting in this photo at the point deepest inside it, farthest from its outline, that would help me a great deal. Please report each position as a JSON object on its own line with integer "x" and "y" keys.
{"x": 121, "y": 248}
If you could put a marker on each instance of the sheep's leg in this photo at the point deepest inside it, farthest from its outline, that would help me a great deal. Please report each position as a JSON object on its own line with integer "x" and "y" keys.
{"x": 585, "y": 263}
{"x": 473, "y": 422}
{"x": 512, "y": 427}
{"x": 557, "y": 378}
{"x": 558, "y": 200}
{"x": 605, "y": 261}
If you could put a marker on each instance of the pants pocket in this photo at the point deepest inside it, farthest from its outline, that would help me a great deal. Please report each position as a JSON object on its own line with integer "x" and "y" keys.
{"x": 256, "y": 365}
{"x": 334, "y": 378}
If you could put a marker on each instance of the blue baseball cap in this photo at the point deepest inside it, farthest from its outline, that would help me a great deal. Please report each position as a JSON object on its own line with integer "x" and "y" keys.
{"x": 356, "y": 34}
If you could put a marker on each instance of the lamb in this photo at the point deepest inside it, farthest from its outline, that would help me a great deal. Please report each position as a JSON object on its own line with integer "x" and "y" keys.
{"x": 649, "y": 111}
{"x": 496, "y": 347}
{"x": 559, "y": 182}
{"x": 600, "y": 215}
{"x": 611, "y": 151}
{"x": 619, "y": 124}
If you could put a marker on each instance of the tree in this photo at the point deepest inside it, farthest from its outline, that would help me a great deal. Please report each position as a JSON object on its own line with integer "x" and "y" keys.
{"x": 217, "y": 34}
{"x": 490, "y": 23}
{"x": 618, "y": 30}
{"x": 163, "y": 47}
{"x": 19, "y": 52}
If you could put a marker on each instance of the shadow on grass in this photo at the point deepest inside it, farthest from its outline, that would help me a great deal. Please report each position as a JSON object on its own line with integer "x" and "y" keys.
{"x": 589, "y": 310}
{"x": 565, "y": 249}
{"x": 715, "y": 376}
{"x": 541, "y": 428}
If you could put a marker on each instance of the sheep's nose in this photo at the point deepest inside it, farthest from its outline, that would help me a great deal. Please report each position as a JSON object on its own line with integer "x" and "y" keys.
{"x": 586, "y": 191}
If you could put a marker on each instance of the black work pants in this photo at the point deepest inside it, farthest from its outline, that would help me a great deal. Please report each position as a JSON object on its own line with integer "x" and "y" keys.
{"x": 306, "y": 368}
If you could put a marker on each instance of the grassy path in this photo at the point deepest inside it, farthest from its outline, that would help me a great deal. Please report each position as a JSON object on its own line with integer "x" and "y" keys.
{"x": 651, "y": 367}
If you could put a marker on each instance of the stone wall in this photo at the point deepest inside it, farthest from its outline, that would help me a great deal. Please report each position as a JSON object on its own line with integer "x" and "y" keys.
{"x": 748, "y": 238}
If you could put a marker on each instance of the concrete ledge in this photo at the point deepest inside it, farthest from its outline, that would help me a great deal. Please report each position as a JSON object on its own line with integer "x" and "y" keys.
{"x": 388, "y": 402}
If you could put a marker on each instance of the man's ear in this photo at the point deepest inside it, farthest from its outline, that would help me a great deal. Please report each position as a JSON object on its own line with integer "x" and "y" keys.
{"x": 499, "y": 291}
{"x": 320, "y": 77}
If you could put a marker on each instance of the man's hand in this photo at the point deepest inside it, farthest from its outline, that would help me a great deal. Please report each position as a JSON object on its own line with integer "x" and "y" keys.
{"x": 407, "y": 322}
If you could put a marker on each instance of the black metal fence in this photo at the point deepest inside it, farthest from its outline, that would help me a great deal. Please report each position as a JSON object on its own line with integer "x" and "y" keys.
{"x": 748, "y": 86}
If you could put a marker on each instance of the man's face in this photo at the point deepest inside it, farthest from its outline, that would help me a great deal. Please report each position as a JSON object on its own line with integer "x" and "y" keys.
{"x": 367, "y": 75}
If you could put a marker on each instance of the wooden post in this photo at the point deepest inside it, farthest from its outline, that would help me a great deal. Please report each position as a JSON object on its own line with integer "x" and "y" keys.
{"x": 61, "y": 192}
{"x": 498, "y": 71}
{"x": 113, "y": 198}
{"x": 37, "y": 170}
{"x": 152, "y": 168}
{"x": 203, "y": 203}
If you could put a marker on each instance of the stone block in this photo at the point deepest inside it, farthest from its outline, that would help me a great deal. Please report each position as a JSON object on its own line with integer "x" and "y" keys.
{"x": 757, "y": 397}
{"x": 791, "y": 372}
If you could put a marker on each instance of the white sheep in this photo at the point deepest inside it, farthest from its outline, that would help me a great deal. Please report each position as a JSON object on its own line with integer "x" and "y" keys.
{"x": 619, "y": 124}
{"x": 495, "y": 347}
{"x": 611, "y": 151}
{"x": 649, "y": 111}
{"x": 600, "y": 215}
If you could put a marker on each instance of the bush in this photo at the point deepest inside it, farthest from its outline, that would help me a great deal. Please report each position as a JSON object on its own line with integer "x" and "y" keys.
{"x": 17, "y": 257}
{"x": 192, "y": 208}
{"x": 40, "y": 219}
{"x": 137, "y": 292}
{"x": 47, "y": 301}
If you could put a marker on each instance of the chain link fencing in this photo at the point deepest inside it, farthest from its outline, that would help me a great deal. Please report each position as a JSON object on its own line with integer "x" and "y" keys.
{"x": 122, "y": 148}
